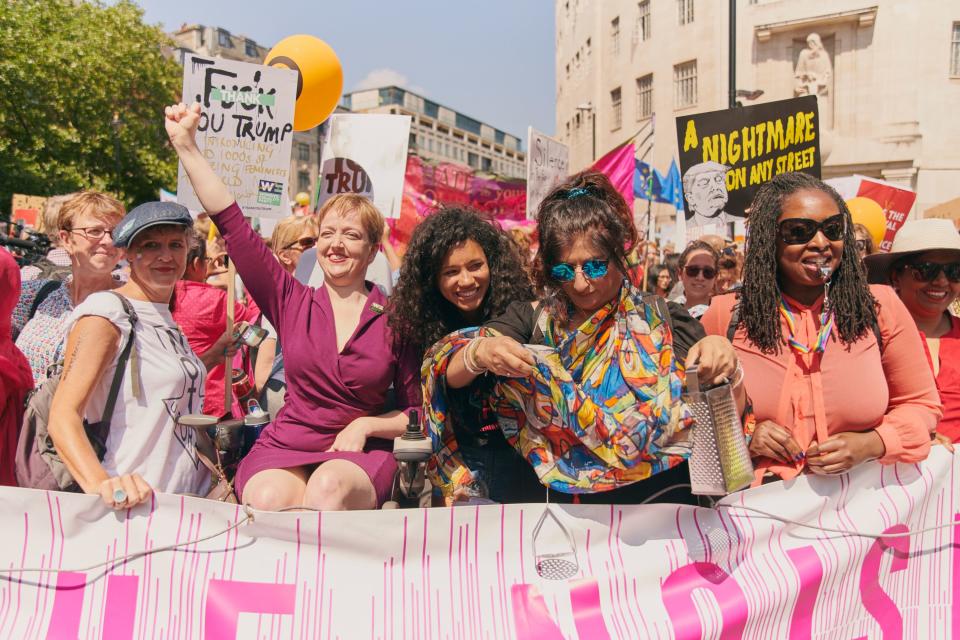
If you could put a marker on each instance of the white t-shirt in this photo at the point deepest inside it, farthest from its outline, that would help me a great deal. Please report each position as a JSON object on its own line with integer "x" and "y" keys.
{"x": 144, "y": 437}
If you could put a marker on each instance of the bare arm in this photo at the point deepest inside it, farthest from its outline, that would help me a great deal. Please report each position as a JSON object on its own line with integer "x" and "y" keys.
{"x": 181, "y": 123}
{"x": 354, "y": 436}
{"x": 266, "y": 354}
{"x": 90, "y": 348}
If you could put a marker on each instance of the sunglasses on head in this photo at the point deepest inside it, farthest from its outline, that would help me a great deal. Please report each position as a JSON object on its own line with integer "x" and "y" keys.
{"x": 709, "y": 273}
{"x": 303, "y": 243}
{"x": 592, "y": 269}
{"x": 929, "y": 271}
{"x": 802, "y": 230}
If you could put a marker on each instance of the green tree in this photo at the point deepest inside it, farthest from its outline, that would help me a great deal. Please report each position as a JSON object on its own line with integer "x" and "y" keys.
{"x": 82, "y": 90}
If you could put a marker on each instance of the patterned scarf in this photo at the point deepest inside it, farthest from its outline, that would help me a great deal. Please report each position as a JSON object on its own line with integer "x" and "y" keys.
{"x": 601, "y": 410}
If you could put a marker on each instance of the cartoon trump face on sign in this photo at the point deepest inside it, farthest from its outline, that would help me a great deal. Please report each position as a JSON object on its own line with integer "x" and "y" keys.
{"x": 705, "y": 190}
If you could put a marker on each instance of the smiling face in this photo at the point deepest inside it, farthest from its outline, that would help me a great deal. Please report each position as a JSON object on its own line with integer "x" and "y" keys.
{"x": 343, "y": 249}
{"x": 464, "y": 278}
{"x": 94, "y": 256}
{"x": 927, "y": 300}
{"x": 587, "y": 295}
{"x": 798, "y": 264}
{"x": 697, "y": 287}
{"x": 158, "y": 256}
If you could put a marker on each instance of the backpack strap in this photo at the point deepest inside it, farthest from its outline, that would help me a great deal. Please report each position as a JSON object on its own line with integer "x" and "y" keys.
{"x": 734, "y": 321}
{"x": 875, "y": 325}
{"x": 130, "y": 354}
{"x": 43, "y": 293}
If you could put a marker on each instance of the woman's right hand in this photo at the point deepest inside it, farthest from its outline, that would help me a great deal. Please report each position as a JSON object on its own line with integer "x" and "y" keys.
{"x": 504, "y": 356}
{"x": 181, "y": 123}
{"x": 770, "y": 440}
{"x": 131, "y": 487}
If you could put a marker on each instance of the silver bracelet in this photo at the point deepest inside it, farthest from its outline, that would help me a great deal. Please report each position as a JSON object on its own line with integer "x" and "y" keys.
{"x": 738, "y": 375}
{"x": 468, "y": 358}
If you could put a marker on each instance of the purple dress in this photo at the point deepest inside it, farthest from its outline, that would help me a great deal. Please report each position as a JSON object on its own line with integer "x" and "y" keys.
{"x": 326, "y": 390}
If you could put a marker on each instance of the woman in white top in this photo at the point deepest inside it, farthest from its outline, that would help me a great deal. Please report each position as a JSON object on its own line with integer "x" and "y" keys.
{"x": 145, "y": 449}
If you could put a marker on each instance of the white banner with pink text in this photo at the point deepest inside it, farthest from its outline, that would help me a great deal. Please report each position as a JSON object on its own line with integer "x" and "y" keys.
{"x": 779, "y": 561}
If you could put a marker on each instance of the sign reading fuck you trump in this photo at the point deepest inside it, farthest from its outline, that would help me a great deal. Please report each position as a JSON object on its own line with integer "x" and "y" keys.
{"x": 787, "y": 560}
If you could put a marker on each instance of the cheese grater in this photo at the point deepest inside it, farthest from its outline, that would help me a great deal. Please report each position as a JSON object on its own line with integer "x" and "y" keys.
{"x": 719, "y": 463}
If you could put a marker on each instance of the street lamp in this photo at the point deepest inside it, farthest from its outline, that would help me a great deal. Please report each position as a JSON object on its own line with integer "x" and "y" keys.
{"x": 588, "y": 106}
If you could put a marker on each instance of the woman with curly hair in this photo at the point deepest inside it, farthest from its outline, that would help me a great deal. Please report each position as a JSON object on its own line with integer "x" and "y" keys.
{"x": 586, "y": 381}
{"x": 807, "y": 326}
{"x": 460, "y": 271}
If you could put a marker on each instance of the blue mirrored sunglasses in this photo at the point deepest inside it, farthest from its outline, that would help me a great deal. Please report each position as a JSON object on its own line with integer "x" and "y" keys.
{"x": 592, "y": 269}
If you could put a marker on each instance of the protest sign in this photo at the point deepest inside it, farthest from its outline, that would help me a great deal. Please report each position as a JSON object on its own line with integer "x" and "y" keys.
{"x": 726, "y": 155}
{"x": 28, "y": 210}
{"x": 895, "y": 200}
{"x": 365, "y": 154}
{"x": 766, "y": 563}
{"x": 547, "y": 166}
{"x": 245, "y": 131}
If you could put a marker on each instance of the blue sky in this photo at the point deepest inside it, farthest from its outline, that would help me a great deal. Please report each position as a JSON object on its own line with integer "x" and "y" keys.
{"x": 492, "y": 60}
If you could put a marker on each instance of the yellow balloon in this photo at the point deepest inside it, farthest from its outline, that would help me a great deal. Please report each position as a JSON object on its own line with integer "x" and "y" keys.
{"x": 320, "y": 77}
{"x": 870, "y": 214}
{"x": 303, "y": 198}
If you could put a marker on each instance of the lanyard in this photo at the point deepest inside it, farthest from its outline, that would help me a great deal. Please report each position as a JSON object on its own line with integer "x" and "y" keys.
{"x": 826, "y": 328}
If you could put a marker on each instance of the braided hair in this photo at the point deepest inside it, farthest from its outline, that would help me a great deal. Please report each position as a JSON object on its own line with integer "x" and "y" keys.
{"x": 585, "y": 204}
{"x": 417, "y": 309}
{"x": 855, "y": 308}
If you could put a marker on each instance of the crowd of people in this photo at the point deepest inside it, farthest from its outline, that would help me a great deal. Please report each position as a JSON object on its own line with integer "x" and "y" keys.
{"x": 551, "y": 363}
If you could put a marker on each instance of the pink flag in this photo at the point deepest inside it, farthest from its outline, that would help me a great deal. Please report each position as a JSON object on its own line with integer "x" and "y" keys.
{"x": 618, "y": 165}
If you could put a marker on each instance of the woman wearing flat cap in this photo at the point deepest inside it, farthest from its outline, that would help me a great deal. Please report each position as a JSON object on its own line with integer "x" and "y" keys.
{"x": 923, "y": 267}
{"x": 144, "y": 450}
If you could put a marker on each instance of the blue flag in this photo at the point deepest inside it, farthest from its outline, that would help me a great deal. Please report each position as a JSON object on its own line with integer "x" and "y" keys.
{"x": 671, "y": 186}
{"x": 642, "y": 182}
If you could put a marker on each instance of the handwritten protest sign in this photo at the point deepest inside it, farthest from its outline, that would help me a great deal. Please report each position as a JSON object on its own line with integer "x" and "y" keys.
{"x": 726, "y": 155}
{"x": 547, "y": 166}
{"x": 28, "y": 209}
{"x": 365, "y": 154}
{"x": 245, "y": 131}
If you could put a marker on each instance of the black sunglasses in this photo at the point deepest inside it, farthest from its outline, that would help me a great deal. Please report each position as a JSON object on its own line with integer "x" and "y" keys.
{"x": 928, "y": 271}
{"x": 709, "y": 273}
{"x": 303, "y": 244}
{"x": 802, "y": 230}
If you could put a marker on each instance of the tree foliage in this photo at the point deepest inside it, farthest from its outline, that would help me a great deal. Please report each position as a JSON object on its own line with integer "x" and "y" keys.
{"x": 82, "y": 90}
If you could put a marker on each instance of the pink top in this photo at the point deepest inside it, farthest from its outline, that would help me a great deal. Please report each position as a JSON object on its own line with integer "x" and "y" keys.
{"x": 948, "y": 380}
{"x": 201, "y": 311}
{"x": 846, "y": 388}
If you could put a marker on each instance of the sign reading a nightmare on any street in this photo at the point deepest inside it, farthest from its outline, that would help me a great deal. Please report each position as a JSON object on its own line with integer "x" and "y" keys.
{"x": 245, "y": 131}
{"x": 726, "y": 155}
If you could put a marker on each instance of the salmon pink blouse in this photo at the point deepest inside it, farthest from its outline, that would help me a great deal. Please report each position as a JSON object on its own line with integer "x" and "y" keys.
{"x": 851, "y": 387}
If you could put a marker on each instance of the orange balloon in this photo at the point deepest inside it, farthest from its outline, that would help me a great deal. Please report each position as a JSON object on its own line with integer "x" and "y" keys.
{"x": 870, "y": 214}
{"x": 319, "y": 81}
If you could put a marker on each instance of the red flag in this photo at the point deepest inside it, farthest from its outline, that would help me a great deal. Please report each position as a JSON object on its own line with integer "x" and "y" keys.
{"x": 618, "y": 165}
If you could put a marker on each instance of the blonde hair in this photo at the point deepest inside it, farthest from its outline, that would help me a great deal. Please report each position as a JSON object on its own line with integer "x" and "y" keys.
{"x": 370, "y": 217}
{"x": 94, "y": 203}
{"x": 291, "y": 229}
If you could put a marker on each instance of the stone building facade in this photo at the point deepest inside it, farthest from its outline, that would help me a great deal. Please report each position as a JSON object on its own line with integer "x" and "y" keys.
{"x": 886, "y": 72}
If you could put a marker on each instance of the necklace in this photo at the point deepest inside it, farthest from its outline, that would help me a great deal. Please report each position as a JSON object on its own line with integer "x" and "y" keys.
{"x": 826, "y": 328}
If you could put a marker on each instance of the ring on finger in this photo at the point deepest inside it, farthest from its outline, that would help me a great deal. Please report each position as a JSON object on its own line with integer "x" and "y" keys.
{"x": 119, "y": 496}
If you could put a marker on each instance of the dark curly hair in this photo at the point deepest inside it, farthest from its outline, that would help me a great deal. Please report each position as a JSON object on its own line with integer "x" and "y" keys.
{"x": 586, "y": 203}
{"x": 417, "y": 309}
{"x": 854, "y": 306}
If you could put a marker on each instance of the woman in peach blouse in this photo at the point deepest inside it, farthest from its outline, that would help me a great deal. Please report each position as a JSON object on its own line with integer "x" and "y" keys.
{"x": 834, "y": 367}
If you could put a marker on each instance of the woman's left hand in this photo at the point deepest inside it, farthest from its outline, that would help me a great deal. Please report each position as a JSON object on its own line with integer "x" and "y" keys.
{"x": 844, "y": 451}
{"x": 353, "y": 437}
{"x": 715, "y": 359}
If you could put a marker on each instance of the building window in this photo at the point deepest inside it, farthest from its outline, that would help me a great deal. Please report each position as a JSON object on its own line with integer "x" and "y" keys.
{"x": 616, "y": 109}
{"x": 955, "y": 50}
{"x": 645, "y": 96}
{"x": 685, "y": 11}
{"x": 473, "y": 160}
{"x": 303, "y": 152}
{"x": 251, "y": 49}
{"x": 303, "y": 181}
{"x": 685, "y": 84}
{"x": 643, "y": 22}
{"x": 615, "y": 35}
{"x": 223, "y": 39}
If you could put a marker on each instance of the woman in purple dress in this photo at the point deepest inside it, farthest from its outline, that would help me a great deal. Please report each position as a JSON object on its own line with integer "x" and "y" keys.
{"x": 329, "y": 447}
